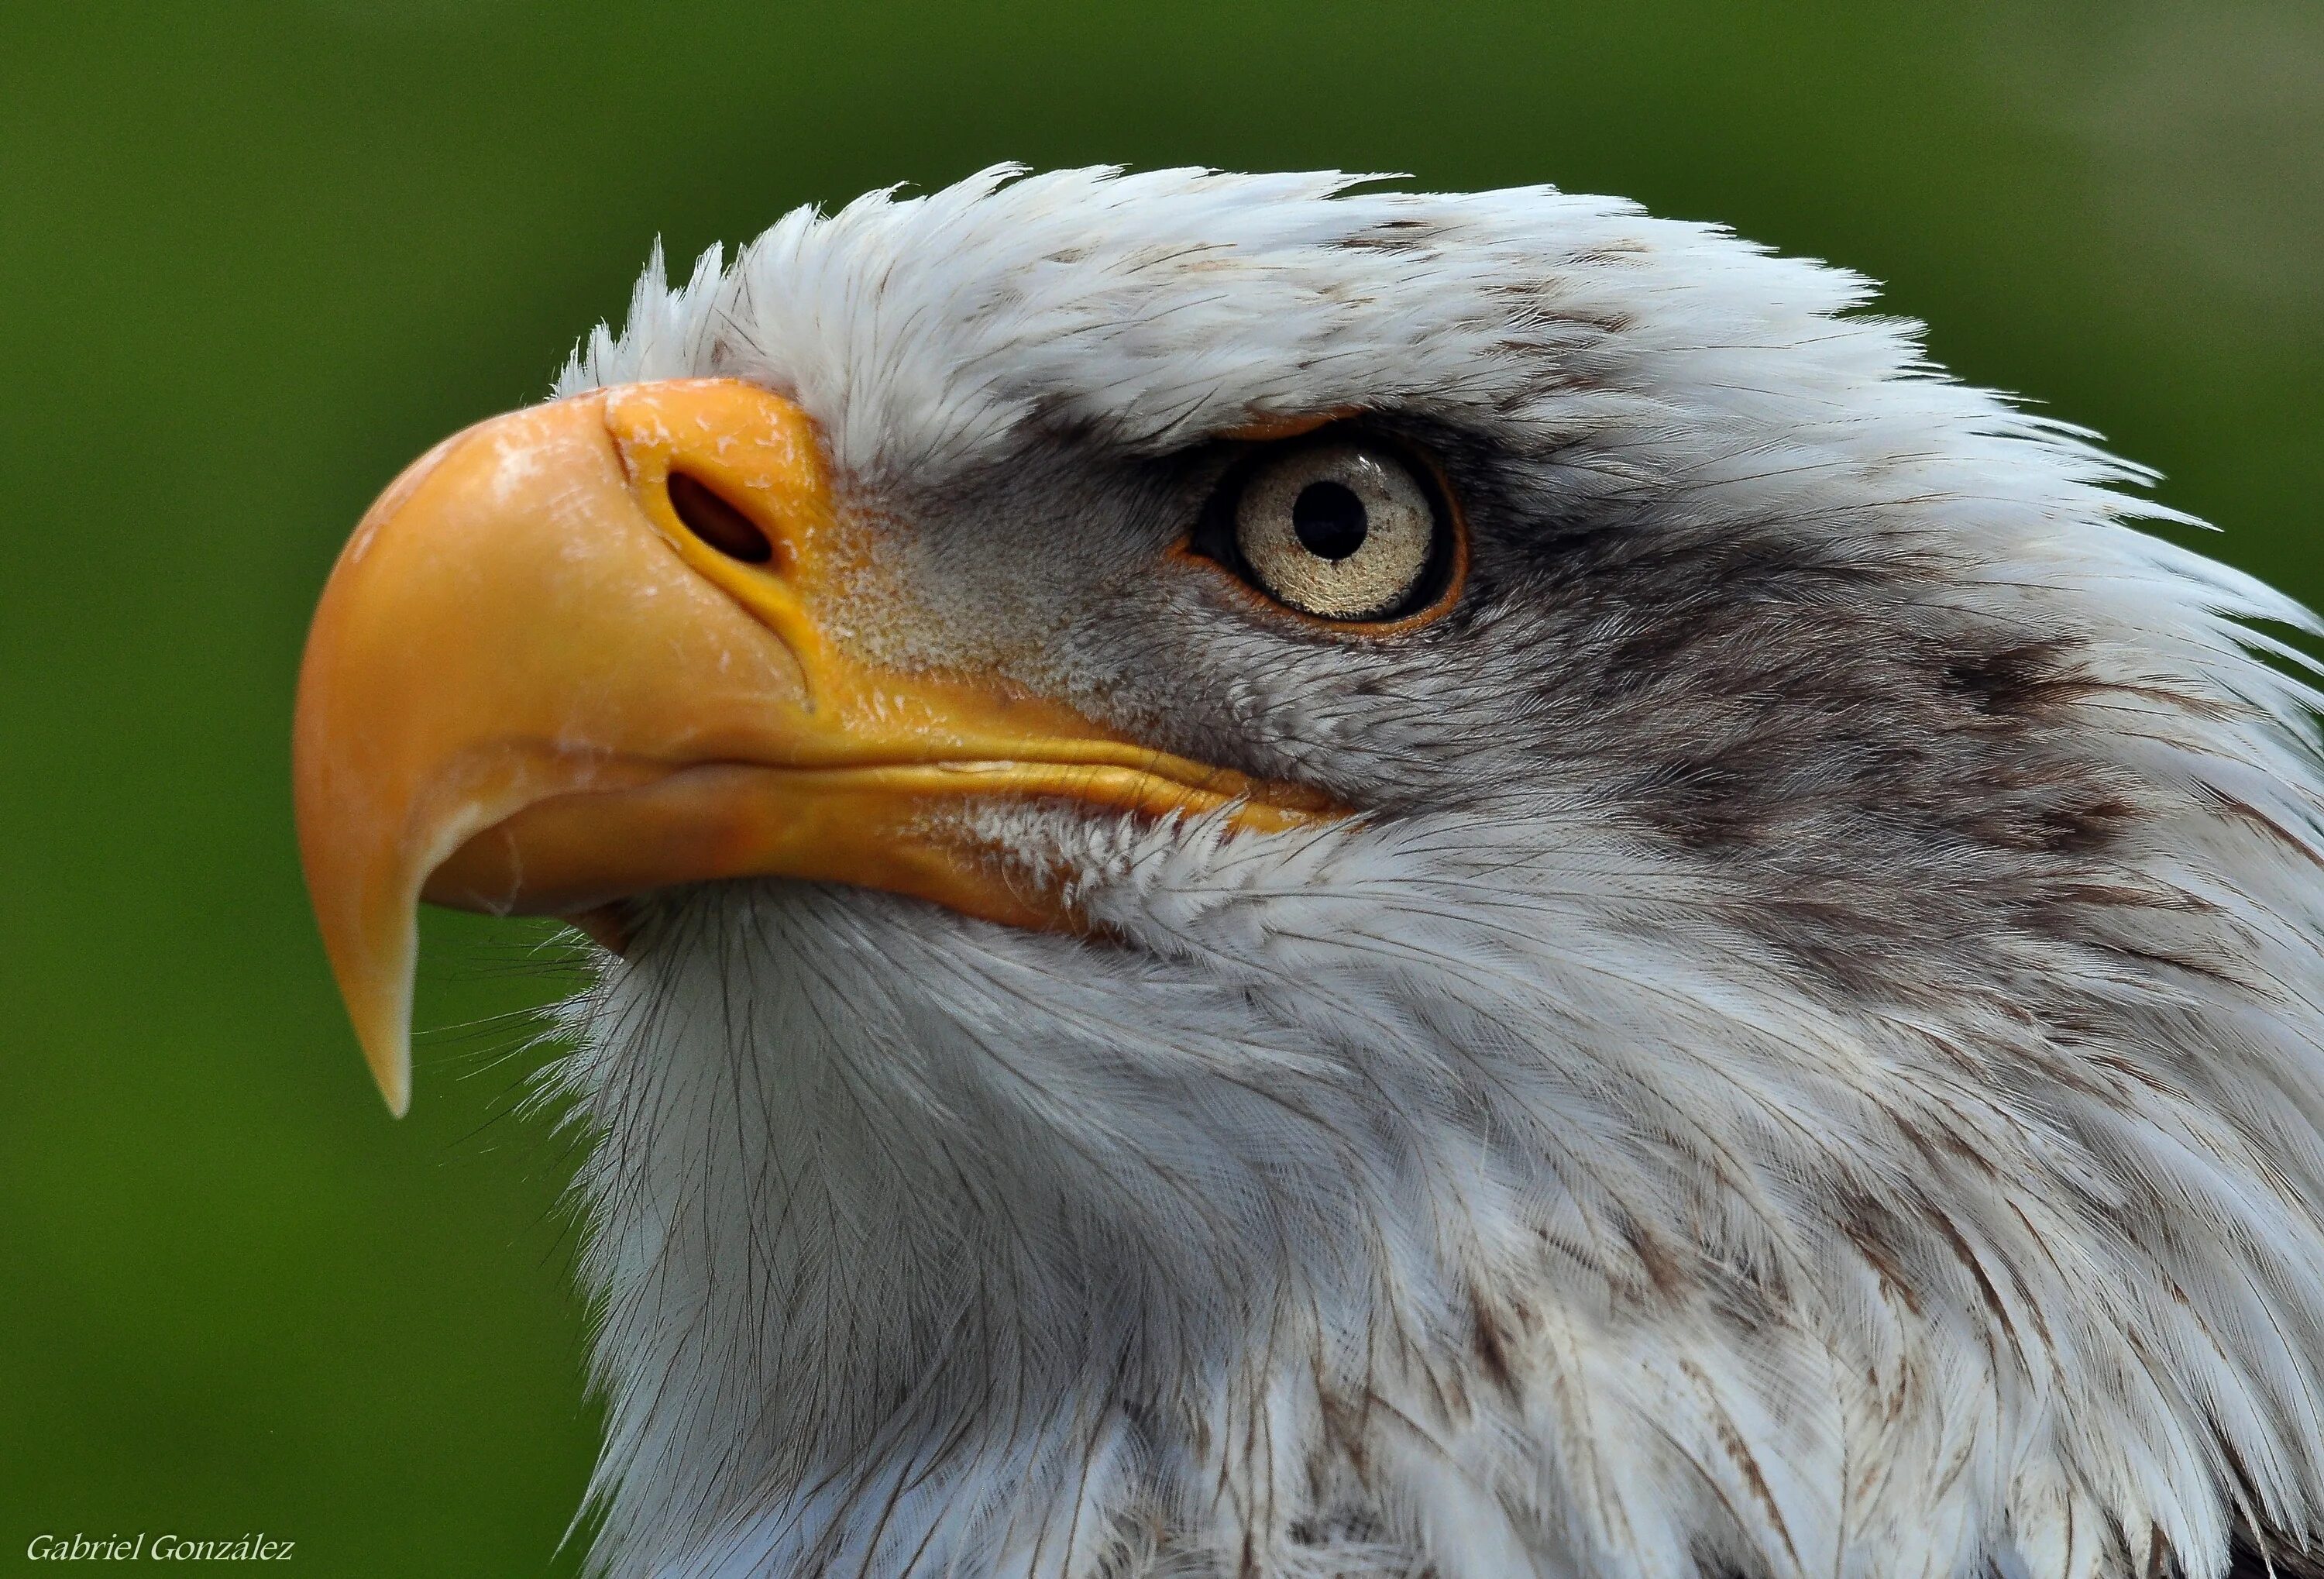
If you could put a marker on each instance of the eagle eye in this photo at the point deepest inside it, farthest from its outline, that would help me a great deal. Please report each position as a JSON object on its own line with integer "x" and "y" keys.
{"x": 1340, "y": 529}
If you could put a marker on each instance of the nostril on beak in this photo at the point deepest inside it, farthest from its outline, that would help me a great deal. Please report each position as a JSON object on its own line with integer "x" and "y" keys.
{"x": 711, "y": 517}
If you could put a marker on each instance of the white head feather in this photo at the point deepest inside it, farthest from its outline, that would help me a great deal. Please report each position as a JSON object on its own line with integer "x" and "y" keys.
{"x": 1809, "y": 1071}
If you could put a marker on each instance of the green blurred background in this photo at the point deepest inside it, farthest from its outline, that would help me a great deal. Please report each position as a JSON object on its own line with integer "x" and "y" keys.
{"x": 255, "y": 258}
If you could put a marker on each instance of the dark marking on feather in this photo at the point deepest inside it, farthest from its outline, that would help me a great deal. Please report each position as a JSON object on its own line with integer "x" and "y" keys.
{"x": 2242, "y": 810}
{"x": 1967, "y": 1257}
{"x": 1740, "y": 1452}
{"x": 2014, "y": 681}
{"x": 1665, "y": 1274}
{"x": 1492, "y": 1345}
{"x": 2259, "y": 1552}
{"x": 1862, "y": 1221}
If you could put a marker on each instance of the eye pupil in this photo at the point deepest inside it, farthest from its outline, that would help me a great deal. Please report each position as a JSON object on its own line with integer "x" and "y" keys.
{"x": 1330, "y": 520}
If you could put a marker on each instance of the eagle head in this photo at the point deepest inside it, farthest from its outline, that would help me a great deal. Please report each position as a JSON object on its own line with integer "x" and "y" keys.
{"x": 1308, "y": 883}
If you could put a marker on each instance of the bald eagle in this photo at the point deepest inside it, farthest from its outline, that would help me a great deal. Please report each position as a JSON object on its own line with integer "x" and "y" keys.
{"x": 1313, "y": 883}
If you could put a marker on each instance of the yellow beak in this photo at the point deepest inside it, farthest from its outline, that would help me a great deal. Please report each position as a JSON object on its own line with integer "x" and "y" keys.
{"x": 586, "y": 650}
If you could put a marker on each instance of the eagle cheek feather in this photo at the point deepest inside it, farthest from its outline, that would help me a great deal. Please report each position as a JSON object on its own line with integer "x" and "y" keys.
{"x": 1726, "y": 983}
